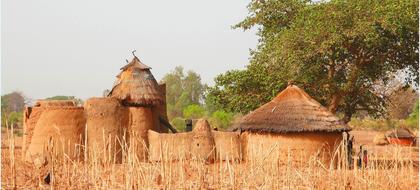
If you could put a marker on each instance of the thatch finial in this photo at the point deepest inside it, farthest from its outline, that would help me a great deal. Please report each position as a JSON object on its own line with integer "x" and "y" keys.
{"x": 290, "y": 83}
{"x": 134, "y": 51}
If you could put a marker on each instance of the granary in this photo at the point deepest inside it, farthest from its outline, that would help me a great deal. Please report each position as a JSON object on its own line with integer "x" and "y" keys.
{"x": 137, "y": 89}
{"x": 53, "y": 124}
{"x": 292, "y": 126}
{"x": 401, "y": 136}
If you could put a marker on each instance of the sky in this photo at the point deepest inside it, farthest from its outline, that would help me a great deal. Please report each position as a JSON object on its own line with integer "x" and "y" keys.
{"x": 76, "y": 48}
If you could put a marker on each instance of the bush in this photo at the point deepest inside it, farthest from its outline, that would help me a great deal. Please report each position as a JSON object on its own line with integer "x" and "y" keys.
{"x": 178, "y": 123}
{"x": 221, "y": 119}
{"x": 413, "y": 119}
{"x": 194, "y": 112}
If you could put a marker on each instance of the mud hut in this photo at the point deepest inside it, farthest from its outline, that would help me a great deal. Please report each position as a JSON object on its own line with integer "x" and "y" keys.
{"x": 292, "y": 126}
{"x": 137, "y": 88}
{"x": 59, "y": 129}
{"x": 401, "y": 136}
{"x": 32, "y": 114}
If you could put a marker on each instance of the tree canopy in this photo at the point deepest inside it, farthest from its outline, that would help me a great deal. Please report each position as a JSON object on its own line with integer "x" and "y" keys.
{"x": 338, "y": 51}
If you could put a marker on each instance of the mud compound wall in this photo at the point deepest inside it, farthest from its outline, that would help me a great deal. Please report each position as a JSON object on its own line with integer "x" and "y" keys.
{"x": 169, "y": 147}
{"x": 106, "y": 121}
{"x": 60, "y": 130}
{"x": 296, "y": 148}
{"x": 228, "y": 145}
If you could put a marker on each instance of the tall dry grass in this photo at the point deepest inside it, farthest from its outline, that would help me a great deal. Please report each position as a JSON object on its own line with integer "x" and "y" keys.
{"x": 97, "y": 170}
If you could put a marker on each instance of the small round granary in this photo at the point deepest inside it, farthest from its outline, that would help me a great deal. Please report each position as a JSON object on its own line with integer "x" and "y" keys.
{"x": 137, "y": 88}
{"x": 291, "y": 127}
{"x": 32, "y": 114}
{"x": 105, "y": 120}
{"x": 60, "y": 129}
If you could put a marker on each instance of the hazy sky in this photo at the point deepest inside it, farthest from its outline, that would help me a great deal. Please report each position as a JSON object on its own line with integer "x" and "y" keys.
{"x": 76, "y": 47}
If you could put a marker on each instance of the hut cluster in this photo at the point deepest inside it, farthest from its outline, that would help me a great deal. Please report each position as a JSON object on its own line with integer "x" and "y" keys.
{"x": 133, "y": 117}
{"x": 104, "y": 125}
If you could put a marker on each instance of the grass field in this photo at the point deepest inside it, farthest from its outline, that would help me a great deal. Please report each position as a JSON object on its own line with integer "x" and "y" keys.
{"x": 390, "y": 167}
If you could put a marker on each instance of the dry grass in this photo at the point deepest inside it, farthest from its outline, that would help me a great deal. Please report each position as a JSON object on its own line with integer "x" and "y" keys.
{"x": 394, "y": 172}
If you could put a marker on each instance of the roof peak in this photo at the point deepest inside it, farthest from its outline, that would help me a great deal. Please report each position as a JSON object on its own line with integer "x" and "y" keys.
{"x": 135, "y": 62}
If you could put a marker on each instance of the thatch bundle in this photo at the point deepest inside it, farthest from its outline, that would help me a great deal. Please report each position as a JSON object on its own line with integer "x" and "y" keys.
{"x": 59, "y": 129}
{"x": 292, "y": 110}
{"x": 228, "y": 145}
{"x": 203, "y": 145}
{"x": 136, "y": 85}
{"x": 169, "y": 147}
{"x": 400, "y": 133}
{"x": 140, "y": 121}
{"x": 106, "y": 121}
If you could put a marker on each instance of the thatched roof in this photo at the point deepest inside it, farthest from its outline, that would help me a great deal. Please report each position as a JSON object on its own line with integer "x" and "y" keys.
{"x": 136, "y": 85}
{"x": 400, "y": 133}
{"x": 292, "y": 110}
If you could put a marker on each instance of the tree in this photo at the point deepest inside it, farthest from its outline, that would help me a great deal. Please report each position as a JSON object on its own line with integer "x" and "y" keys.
{"x": 61, "y": 97}
{"x": 194, "y": 112}
{"x": 182, "y": 90}
{"x": 338, "y": 51}
{"x": 221, "y": 119}
{"x": 401, "y": 103}
{"x": 12, "y": 105}
{"x": 13, "y": 102}
{"x": 413, "y": 119}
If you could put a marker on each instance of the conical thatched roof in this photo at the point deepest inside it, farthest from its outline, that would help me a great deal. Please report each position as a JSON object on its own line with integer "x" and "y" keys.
{"x": 400, "y": 133}
{"x": 292, "y": 110}
{"x": 136, "y": 85}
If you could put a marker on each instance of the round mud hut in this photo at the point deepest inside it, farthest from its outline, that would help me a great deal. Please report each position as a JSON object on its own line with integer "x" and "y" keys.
{"x": 58, "y": 130}
{"x": 137, "y": 89}
{"x": 291, "y": 128}
{"x": 33, "y": 113}
{"x": 401, "y": 136}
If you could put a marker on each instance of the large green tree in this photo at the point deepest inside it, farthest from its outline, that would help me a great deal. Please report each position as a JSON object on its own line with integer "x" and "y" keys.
{"x": 339, "y": 51}
{"x": 182, "y": 89}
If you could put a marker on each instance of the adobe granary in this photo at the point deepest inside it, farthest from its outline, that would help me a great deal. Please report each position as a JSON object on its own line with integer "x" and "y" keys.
{"x": 293, "y": 123}
{"x": 137, "y": 89}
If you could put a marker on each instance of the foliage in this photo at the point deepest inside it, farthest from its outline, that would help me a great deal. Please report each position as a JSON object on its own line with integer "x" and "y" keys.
{"x": 413, "y": 119}
{"x": 12, "y": 105}
{"x": 182, "y": 90}
{"x": 221, "y": 119}
{"x": 380, "y": 124}
{"x": 194, "y": 112}
{"x": 61, "y": 97}
{"x": 12, "y": 102}
{"x": 338, "y": 51}
{"x": 12, "y": 118}
{"x": 401, "y": 103}
{"x": 178, "y": 123}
